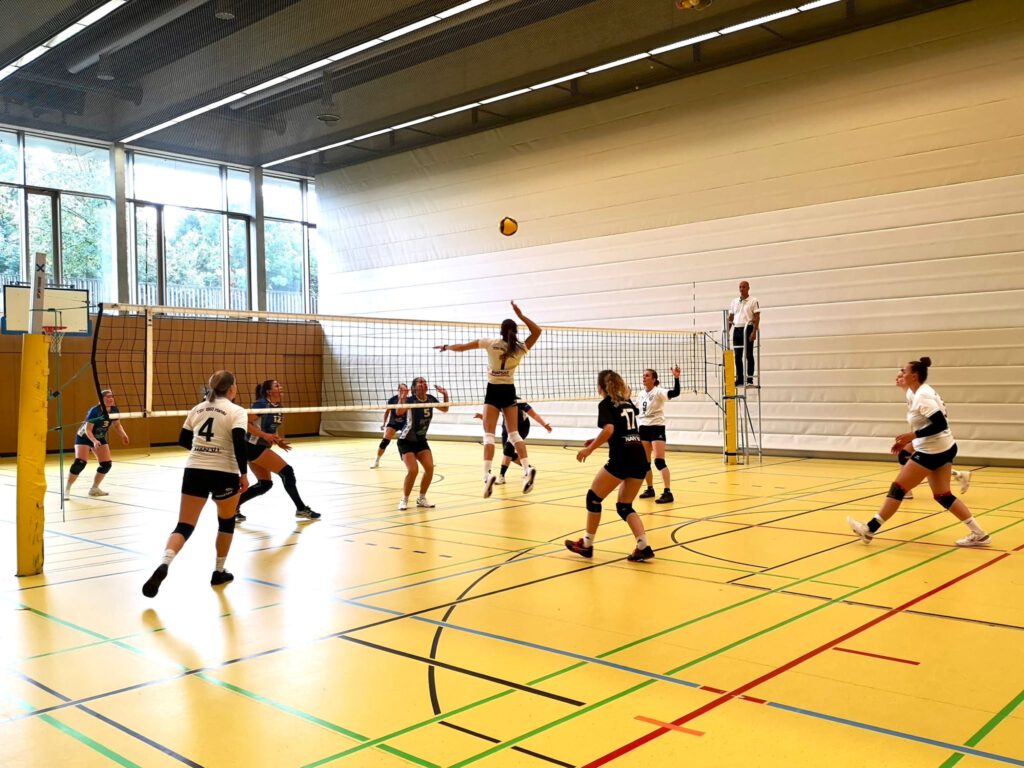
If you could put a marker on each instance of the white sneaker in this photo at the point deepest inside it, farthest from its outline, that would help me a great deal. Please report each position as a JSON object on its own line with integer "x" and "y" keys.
{"x": 422, "y": 502}
{"x": 909, "y": 496}
{"x": 489, "y": 485}
{"x": 376, "y": 463}
{"x": 964, "y": 478}
{"x": 974, "y": 540}
{"x": 403, "y": 505}
{"x": 500, "y": 480}
{"x": 861, "y": 529}
{"x": 97, "y": 492}
{"x": 528, "y": 478}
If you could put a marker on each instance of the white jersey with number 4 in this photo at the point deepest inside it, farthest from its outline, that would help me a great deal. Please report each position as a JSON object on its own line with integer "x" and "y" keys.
{"x": 212, "y": 444}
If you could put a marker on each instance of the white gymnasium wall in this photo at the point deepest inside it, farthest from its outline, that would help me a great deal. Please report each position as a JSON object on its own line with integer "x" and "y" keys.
{"x": 871, "y": 188}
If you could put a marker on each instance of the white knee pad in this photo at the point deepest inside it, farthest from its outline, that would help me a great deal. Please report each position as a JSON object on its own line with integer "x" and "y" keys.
{"x": 488, "y": 438}
{"x": 514, "y": 437}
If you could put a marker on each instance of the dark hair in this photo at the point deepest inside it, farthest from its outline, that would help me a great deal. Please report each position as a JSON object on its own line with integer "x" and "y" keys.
{"x": 510, "y": 335}
{"x": 263, "y": 388}
{"x": 654, "y": 375}
{"x": 418, "y": 378}
{"x": 920, "y": 368}
{"x": 612, "y": 385}
{"x": 219, "y": 384}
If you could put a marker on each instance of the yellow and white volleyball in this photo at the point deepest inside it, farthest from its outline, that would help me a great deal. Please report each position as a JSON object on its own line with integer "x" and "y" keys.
{"x": 508, "y": 226}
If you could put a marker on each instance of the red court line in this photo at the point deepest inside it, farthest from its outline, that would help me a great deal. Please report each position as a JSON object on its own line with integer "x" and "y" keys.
{"x": 660, "y": 724}
{"x": 877, "y": 656}
{"x": 714, "y": 704}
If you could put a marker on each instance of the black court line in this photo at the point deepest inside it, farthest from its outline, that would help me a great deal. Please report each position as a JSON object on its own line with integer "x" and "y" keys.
{"x": 493, "y": 740}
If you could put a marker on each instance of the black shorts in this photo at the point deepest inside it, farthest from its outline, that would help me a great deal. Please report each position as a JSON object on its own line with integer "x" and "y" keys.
{"x": 395, "y": 425}
{"x": 932, "y": 461}
{"x": 412, "y": 446}
{"x": 83, "y": 440}
{"x": 500, "y": 395}
{"x": 253, "y": 451}
{"x": 207, "y": 482}
{"x": 652, "y": 433}
{"x": 632, "y": 465}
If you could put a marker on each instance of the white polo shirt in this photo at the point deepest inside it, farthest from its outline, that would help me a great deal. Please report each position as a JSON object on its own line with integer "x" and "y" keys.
{"x": 921, "y": 405}
{"x": 743, "y": 311}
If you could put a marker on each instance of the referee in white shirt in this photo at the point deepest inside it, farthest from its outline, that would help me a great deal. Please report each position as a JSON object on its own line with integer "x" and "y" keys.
{"x": 744, "y": 319}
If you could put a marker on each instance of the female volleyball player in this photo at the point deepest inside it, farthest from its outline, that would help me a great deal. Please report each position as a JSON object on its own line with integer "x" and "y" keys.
{"x": 626, "y": 468}
{"x": 652, "y": 430}
{"x": 262, "y": 458}
{"x": 214, "y": 434}
{"x": 391, "y": 425}
{"x": 504, "y": 354}
{"x": 932, "y": 458}
{"x": 412, "y": 440}
{"x": 92, "y": 436}
{"x": 525, "y": 413}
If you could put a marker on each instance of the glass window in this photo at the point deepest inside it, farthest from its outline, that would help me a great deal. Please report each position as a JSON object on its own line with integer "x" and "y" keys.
{"x": 69, "y": 166}
{"x": 146, "y": 252}
{"x": 40, "y": 232}
{"x": 238, "y": 263}
{"x": 87, "y": 246}
{"x": 314, "y": 270}
{"x": 239, "y": 191}
{"x": 193, "y": 258}
{"x": 10, "y": 165}
{"x": 312, "y": 204}
{"x": 282, "y": 198}
{"x": 177, "y": 182}
{"x": 10, "y": 235}
{"x": 284, "y": 266}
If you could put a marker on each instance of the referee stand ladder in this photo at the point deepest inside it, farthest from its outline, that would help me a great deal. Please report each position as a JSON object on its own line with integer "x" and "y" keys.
{"x": 741, "y": 396}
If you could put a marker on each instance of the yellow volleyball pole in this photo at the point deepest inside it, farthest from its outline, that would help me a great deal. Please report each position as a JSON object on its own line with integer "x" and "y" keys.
{"x": 729, "y": 382}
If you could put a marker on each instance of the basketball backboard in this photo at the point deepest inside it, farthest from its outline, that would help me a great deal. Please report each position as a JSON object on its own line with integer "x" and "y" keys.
{"x": 64, "y": 306}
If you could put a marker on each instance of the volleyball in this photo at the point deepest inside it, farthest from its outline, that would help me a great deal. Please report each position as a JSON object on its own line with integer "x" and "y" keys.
{"x": 508, "y": 226}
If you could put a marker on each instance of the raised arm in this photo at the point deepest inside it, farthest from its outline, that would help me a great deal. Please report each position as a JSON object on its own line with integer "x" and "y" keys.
{"x": 535, "y": 330}
{"x": 674, "y": 392}
{"x": 444, "y": 394}
{"x": 465, "y": 347}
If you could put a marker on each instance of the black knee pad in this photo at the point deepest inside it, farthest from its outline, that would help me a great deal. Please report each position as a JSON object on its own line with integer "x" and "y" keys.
{"x": 593, "y": 502}
{"x": 104, "y": 467}
{"x": 896, "y": 492}
{"x": 660, "y": 463}
{"x": 624, "y": 510}
{"x": 77, "y": 466}
{"x": 184, "y": 529}
{"x": 226, "y": 524}
{"x": 264, "y": 486}
{"x": 903, "y": 457}
{"x": 946, "y": 500}
{"x": 384, "y": 444}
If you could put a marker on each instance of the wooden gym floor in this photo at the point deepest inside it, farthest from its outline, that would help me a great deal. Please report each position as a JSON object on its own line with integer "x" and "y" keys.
{"x": 763, "y": 634}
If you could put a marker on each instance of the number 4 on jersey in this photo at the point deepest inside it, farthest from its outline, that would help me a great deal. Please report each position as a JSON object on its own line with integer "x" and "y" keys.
{"x": 207, "y": 429}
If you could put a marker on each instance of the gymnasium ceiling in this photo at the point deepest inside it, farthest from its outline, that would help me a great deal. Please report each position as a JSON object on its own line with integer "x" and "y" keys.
{"x": 150, "y": 61}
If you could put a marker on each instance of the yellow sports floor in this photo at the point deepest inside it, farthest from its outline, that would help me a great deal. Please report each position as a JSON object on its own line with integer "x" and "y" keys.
{"x": 763, "y": 633}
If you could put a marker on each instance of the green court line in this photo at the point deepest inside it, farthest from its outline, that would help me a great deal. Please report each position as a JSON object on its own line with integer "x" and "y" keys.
{"x": 986, "y": 729}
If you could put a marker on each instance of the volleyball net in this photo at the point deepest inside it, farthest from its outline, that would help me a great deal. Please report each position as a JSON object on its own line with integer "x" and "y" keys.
{"x": 157, "y": 360}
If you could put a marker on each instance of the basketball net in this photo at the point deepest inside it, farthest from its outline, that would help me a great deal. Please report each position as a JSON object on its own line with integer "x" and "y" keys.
{"x": 56, "y": 334}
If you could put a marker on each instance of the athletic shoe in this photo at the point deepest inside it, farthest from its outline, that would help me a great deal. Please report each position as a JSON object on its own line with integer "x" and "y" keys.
{"x": 861, "y": 529}
{"x": 152, "y": 585}
{"x": 221, "y": 577}
{"x": 376, "y": 463}
{"x": 974, "y": 540}
{"x": 500, "y": 480}
{"x": 648, "y": 494}
{"x": 579, "y": 548}
{"x": 908, "y": 496}
{"x": 965, "y": 481}
{"x": 528, "y": 478}
{"x": 665, "y": 498}
{"x": 307, "y": 513}
{"x": 239, "y": 517}
{"x": 489, "y": 485}
{"x": 67, "y": 495}
{"x": 403, "y": 505}
{"x": 97, "y": 492}
{"x": 422, "y": 502}
{"x": 639, "y": 555}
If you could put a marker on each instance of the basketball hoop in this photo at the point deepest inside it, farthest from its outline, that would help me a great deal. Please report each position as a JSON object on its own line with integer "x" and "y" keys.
{"x": 56, "y": 334}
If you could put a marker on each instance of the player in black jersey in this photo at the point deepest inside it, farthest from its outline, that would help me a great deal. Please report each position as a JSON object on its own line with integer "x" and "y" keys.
{"x": 626, "y": 468}
{"x": 392, "y": 423}
{"x": 412, "y": 439}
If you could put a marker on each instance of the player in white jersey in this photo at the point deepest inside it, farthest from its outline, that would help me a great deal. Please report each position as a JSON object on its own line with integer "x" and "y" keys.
{"x": 934, "y": 451}
{"x": 214, "y": 432}
{"x": 961, "y": 476}
{"x": 652, "y": 430}
{"x": 504, "y": 355}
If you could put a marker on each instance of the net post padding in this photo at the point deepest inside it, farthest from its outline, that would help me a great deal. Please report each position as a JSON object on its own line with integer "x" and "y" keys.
{"x": 331, "y": 363}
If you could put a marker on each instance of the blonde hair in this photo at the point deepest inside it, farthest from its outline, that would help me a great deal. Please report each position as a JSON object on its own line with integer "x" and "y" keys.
{"x": 219, "y": 384}
{"x": 612, "y": 385}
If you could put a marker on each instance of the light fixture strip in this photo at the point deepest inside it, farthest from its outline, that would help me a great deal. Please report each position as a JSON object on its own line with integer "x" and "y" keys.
{"x": 600, "y": 68}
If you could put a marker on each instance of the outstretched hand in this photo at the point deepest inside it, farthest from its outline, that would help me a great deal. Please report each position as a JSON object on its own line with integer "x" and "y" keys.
{"x": 676, "y": 371}
{"x": 517, "y": 310}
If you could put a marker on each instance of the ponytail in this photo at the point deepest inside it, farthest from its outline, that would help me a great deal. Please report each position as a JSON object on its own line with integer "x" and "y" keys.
{"x": 510, "y": 335}
{"x": 219, "y": 385}
{"x": 920, "y": 368}
{"x": 263, "y": 388}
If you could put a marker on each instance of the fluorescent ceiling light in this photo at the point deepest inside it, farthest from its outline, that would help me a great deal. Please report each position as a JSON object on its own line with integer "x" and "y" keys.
{"x": 463, "y": 108}
{"x": 504, "y": 96}
{"x": 818, "y": 4}
{"x": 181, "y": 118}
{"x": 684, "y": 43}
{"x": 411, "y": 27}
{"x": 618, "y": 62}
{"x": 460, "y": 8}
{"x": 758, "y": 21}
{"x": 64, "y": 35}
{"x": 370, "y": 135}
{"x": 355, "y": 49}
{"x": 557, "y": 80}
{"x": 412, "y": 122}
